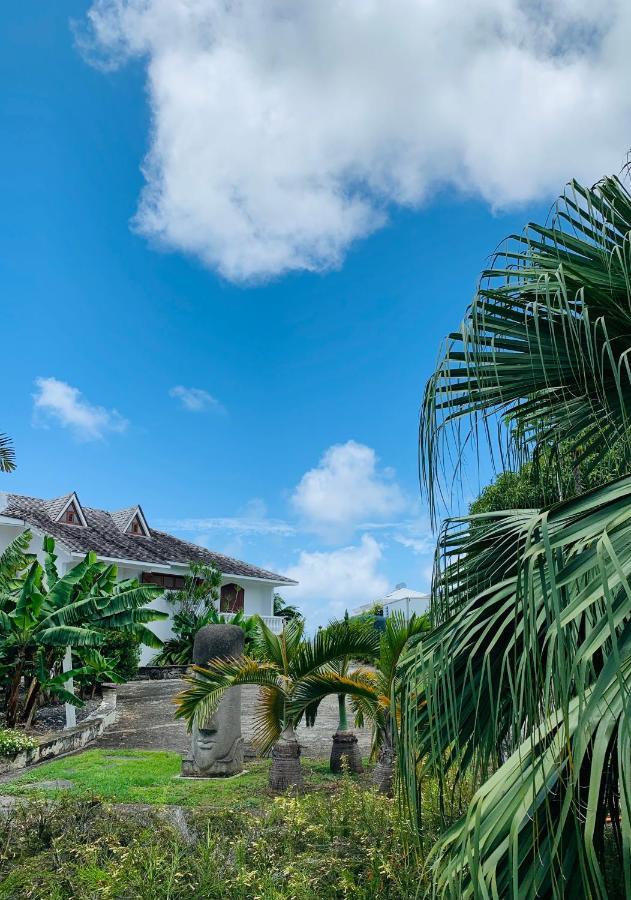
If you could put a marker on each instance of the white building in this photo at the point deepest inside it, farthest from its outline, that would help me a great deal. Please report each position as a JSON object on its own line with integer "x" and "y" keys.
{"x": 401, "y": 599}
{"x": 125, "y": 538}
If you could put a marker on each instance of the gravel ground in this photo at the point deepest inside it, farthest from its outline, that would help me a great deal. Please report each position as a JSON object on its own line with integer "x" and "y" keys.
{"x": 53, "y": 718}
{"x": 145, "y": 721}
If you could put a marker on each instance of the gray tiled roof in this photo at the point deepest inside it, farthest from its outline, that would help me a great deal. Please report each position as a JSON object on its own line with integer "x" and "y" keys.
{"x": 105, "y": 536}
{"x": 122, "y": 517}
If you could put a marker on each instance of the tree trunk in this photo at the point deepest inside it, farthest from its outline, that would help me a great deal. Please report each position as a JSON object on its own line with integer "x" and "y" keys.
{"x": 286, "y": 771}
{"x": 13, "y": 697}
{"x": 31, "y": 701}
{"x": 383, "y": 774}
{"x": 345, "y": 748}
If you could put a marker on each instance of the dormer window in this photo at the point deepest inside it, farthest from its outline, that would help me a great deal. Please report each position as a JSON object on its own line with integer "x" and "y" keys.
{"x": 71, "y": 516}
{"x": 135, "y": 527}
{"x": 67, "y": 511}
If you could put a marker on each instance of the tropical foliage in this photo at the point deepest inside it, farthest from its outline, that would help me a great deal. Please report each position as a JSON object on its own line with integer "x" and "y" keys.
{"x": 280, "y": 665}
{"x": 42, "y": 613}
{"x": 284, "y": 609}
{"x": 372, "y": 690}
{"x": 526, "y": 681}
{"x": 195, "y": 605}
{"x": 7, "y": 454}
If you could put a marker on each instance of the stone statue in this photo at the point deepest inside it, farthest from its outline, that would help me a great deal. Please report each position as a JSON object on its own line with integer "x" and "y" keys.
{"x": 217, "y": 745}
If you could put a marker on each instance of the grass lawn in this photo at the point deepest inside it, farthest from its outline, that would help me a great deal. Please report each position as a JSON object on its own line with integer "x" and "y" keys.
{"x": 150, "y": 776}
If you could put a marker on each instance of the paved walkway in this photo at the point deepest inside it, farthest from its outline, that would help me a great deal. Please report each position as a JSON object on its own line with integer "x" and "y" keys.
{"x": 145, "y": 721}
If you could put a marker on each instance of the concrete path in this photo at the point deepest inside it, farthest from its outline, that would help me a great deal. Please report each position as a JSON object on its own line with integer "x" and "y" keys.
{"x": 145, "y": 721}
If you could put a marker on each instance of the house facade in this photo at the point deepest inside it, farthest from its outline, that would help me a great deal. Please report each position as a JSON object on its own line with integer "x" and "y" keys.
{"x": 403, "y": 600}
{"x": 125, "y": 538}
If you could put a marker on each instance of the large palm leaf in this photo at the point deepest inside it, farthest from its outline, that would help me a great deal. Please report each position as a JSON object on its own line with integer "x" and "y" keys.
{"x": 528, "y": 674}
{"x": 545, "y": 343}
{"x": 7, "y": 454}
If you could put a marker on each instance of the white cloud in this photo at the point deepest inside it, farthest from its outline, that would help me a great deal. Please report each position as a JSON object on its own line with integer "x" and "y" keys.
{"x": 57, "y": 401}
{"x": 419, "y": 543}
{"x": 195, "y": 399}
{"x": 346, "y": 487}
{"x": 252, "y": 520}
{"x": 330, "y": 582}
{"x": 283, "y": 131}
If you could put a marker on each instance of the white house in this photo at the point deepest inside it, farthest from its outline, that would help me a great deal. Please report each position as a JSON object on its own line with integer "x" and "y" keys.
{"x": 124, "y": 537}
{"x": 401, "y": 599}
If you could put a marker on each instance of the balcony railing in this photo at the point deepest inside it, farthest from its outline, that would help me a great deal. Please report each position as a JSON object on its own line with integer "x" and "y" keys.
{"x": 274, "y": 623}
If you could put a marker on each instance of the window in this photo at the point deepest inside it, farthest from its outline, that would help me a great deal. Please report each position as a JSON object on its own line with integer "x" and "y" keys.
{"x": 71, "y": 516}
{"x": 135, "y": 527}
{"x": 168, "y": 582}
{"x": 232, "y": 598}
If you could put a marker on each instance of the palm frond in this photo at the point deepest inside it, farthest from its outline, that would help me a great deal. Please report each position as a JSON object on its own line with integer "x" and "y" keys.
{"x": 543, "y": 347}
{"x": 508, "y": 822}
{"x": 519, "y": 654}
{"x": 338, "y": 640}
{"x": 268, "y": 645}
{"x": 268, "y": 718}
{"x": 362, "y": 688}
{"x": 209, "y": 683}
{"x": 399, "y": 634}
{"x": 7, "y": 454}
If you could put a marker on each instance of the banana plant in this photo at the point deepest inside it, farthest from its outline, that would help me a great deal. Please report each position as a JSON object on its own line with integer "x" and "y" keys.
{"x": 44, "y": 612}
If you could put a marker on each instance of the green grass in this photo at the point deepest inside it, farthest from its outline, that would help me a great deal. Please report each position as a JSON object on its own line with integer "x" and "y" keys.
{"x": 150, "y": 776}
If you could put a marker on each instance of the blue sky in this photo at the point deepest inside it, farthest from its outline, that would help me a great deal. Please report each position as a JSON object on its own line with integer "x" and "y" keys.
{"x": 257, "y": 394}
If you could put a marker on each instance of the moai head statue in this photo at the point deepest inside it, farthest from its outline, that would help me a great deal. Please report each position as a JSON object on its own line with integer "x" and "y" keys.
{"x": 216, "y": 744}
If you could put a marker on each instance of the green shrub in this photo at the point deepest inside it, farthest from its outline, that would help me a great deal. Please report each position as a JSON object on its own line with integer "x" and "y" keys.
{"x": 348, "y": 843}
{"x": 124, "y": 649}
{"x": 12, "y": 742}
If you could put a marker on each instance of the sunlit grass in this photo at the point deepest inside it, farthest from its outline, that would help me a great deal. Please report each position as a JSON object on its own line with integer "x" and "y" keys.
{"x": 150, "y": 776}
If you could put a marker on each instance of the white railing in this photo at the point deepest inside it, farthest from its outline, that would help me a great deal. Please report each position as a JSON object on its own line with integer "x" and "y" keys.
{"x": 274, "y": 623}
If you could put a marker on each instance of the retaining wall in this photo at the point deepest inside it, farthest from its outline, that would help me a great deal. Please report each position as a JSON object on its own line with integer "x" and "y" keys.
{"x": 72, "y": 739}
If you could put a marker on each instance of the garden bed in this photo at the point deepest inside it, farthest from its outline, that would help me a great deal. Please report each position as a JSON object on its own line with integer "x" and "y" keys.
{"x": 52, "y": 718}
{"x": 66, "y": 741}
{"x": 229, "y": 838}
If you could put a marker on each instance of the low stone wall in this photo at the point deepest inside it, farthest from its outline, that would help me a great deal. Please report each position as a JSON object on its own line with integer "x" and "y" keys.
{"x": 160, "y": 673}
{"x": 67, "y": 741}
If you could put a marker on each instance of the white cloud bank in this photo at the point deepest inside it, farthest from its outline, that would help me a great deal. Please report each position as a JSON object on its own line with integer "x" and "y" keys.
{"x": 282, "y": 131}
{"x": 345, "y": 488}
{"x": 338, "y": 580}
{"x": 195, "y": 399}
{"x": 57, "y": 401}
{"x": 251, "y": 520}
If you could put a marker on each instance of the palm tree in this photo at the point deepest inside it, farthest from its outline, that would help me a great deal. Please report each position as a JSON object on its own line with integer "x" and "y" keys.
{"x": 344, "y": 750}
{"x": 285, "y": 610}
{"x": 283, "y": 661}
{"x": 526, "y": 681}
{"x": 41, "y": 612}
{"x": 7, "y": 454}
{"x": 371, "y": 690}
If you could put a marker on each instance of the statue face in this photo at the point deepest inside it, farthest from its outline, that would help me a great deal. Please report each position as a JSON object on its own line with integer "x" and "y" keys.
{"x": 214, "y": 741}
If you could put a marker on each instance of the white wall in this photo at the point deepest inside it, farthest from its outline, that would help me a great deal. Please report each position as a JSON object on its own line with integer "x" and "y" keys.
{"x": 258, "y": 599}
{"x": 8, "y": 533}
{"x": 258, "y": 595}
{"x": 419, "y": 605}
